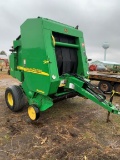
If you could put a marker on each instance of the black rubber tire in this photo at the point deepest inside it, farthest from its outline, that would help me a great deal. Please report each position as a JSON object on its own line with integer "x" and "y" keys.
{"x": 105, "y": 86}
{"x": 117, "y": 87}
{"x": 18, "y": 98}
{"x": 36, "y": 113}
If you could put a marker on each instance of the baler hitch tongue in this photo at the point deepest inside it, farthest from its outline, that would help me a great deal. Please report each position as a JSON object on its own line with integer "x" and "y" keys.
{"x": 95, "y": 91}
{"x": 86, "y": 89}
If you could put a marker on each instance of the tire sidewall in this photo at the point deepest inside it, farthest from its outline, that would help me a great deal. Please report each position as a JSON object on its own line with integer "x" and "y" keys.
{"x": 9, "y": 90}
{"x": 18, "y": 98}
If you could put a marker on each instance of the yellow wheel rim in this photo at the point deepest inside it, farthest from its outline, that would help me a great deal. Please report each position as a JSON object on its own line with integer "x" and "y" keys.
{"x": 10, "y": 99}
{"x": 32, "y": 113}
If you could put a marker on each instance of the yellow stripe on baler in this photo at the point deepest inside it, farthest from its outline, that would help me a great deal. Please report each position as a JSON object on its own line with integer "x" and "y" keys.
{"x": 32, "y": 70}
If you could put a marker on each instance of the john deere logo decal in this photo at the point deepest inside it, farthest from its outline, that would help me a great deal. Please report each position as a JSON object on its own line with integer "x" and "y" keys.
{"x": 65, "y": 30}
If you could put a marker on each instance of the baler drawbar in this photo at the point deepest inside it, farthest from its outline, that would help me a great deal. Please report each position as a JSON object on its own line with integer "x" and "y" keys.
{"x": 49, "y": 59}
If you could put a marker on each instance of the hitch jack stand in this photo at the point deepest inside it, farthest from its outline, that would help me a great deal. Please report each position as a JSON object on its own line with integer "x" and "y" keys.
{"x": 111, "y": 99}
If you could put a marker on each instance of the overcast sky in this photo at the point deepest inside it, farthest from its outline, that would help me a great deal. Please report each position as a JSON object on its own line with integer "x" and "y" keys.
{"x": 98, "y": 19}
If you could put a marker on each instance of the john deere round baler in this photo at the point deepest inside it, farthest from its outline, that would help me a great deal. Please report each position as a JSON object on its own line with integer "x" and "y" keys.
{"x": 49, "y": 59}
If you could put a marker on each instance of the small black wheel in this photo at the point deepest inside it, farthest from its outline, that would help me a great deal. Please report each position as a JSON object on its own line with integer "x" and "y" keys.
{"x": 117, "y": 87}
{"x": 33, "y": 112}
{"x": 105, "y": 86}
{"x": 15, "y": 98}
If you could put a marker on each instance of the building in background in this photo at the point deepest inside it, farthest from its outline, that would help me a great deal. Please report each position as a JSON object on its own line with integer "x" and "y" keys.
{"x": 4, "y": 64}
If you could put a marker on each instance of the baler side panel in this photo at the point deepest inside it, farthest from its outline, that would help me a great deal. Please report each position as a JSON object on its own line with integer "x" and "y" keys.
{"x": 13, "y": 64}
{"x": 33, "y": 56}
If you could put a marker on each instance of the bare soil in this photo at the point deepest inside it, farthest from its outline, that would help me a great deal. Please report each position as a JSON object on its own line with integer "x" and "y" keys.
{"x": 73, "y": 129}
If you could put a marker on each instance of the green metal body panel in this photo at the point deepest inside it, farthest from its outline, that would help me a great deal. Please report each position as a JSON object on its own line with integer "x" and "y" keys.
{"x": 34, "y": 63}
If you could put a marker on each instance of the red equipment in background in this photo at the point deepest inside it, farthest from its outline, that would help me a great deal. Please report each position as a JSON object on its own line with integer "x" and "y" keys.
{"x": 92, "y": 67}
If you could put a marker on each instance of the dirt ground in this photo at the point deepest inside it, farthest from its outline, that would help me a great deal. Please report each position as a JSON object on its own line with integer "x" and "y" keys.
{"x": 73, "y": 129}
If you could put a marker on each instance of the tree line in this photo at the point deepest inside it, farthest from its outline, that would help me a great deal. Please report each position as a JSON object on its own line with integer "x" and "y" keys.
{"x": 3, "y": 53}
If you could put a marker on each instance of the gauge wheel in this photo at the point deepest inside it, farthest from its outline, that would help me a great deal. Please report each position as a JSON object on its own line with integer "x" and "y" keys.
{"x": 15, "y": 98}
{"x": 117, "y": 87}
{"x": 105, "y": 86}
{"x": 33, "y": 112}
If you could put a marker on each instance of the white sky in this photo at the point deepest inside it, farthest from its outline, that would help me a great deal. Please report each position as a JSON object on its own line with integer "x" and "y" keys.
{"x": 99, "y": 21}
